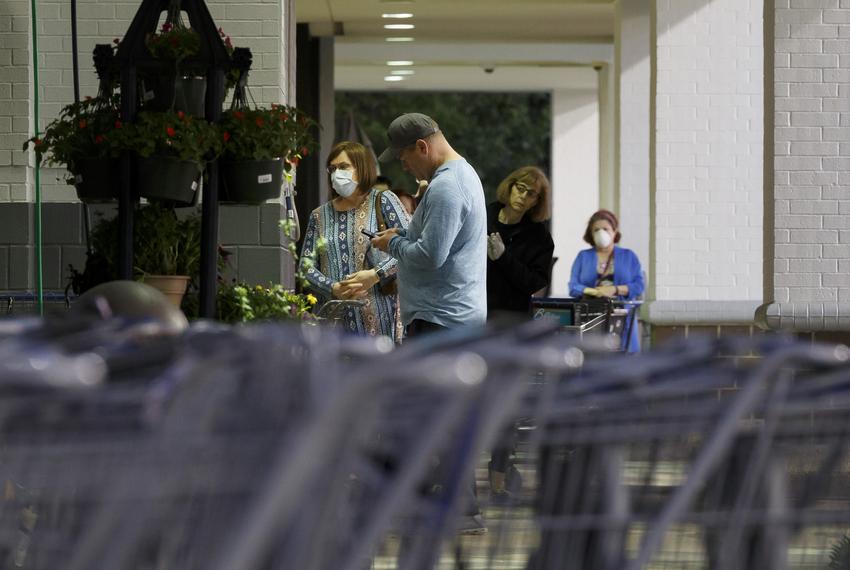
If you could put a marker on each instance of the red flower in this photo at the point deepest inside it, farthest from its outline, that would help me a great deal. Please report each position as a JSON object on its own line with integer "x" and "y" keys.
{"x": 294, "y": 161}
{"x": 36, "y": 141}
{"x": 170, "y": 132}
{"x": 239, "y": 115}
{"x": 88, "y": 97}
{"x": 82, "y": 123}
{"x": 180, "y": 114}
{"x": 118, "y": 124}
{"x": 260, "y": 122}
{"x": 284, "y": 117}
{"x": 226, "y": 136}
{"x": 99, "y": 139}
{"x": 304, "y": 151}
{"x": 166, "y": 27}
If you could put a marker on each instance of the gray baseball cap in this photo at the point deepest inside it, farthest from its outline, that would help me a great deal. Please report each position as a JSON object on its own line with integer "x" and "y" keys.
{"x": 406, "y": 130}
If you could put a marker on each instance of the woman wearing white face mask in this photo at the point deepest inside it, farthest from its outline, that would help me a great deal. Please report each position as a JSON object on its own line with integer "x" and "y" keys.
{"x": 606, "y": 269}
{"x": 348, "y": 267}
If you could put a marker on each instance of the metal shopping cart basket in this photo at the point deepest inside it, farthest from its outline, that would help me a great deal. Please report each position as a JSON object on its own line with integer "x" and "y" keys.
{"x": 20, "y": 303}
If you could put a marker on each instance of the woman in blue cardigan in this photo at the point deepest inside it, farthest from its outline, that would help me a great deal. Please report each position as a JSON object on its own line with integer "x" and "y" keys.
{"x": 607, "y": 270}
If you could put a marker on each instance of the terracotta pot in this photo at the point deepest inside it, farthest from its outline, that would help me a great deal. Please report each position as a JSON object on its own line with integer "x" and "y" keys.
{"x": 172, "y": 286}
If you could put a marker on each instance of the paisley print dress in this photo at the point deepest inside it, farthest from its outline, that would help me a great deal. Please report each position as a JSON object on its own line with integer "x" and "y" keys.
{"x": 347, "y": 251}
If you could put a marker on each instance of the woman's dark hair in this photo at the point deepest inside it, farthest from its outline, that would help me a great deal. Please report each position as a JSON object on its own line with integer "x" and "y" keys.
{"x": 360, "y": 159}
{"x": 609, "y": 217}
{"x": 535, "y": 179}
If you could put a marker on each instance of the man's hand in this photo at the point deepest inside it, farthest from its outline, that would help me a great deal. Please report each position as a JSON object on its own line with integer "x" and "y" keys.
{"x": 346, "y": 289}
{"x": 382, "y": 239}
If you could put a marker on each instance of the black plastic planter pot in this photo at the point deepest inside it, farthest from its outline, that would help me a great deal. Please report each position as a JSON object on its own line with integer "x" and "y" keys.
{"x": 251, "y": 181}
{"x": 97, "y": 179}
{"x": 170, "y": 179}
{"x": 188, "y": 94}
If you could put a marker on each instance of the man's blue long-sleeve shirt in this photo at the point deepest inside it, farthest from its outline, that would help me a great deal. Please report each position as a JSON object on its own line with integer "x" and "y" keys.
{"x": 442, "y": 257}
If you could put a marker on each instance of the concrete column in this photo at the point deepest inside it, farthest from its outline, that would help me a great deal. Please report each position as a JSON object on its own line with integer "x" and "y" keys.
{"x": 575, "y": 176}
{"x": 632, "y": 61}
{"x": 808, "y": 230}
{"x": 608, "y": 155}
{"x": 707, "y": 146}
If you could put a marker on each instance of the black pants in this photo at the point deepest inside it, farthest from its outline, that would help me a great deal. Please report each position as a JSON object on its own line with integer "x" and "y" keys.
{"x": 418, "y": 327}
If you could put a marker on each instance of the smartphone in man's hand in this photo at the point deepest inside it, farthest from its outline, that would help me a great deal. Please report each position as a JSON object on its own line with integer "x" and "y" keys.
{"x": 365, "y": 232}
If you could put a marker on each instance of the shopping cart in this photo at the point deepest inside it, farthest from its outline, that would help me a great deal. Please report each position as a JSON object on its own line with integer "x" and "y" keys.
{"x": 20, "y": 303}
{"x": 589, "y": 316}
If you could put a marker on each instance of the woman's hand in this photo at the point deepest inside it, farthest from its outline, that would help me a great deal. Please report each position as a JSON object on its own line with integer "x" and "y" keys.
{"x": 495, "y": 246}
{"x": 367, "y": 278}
{"x": 346, "y": 290}
{"x": 607, "y": 291}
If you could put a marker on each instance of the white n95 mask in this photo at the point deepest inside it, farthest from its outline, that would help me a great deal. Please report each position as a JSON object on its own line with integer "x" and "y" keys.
{"x": 601, "y": 238}
{"x": 343, "y": 182}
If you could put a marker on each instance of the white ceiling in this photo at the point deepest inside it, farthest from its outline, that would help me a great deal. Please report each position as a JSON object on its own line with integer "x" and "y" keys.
{"x": 529, "y": 45}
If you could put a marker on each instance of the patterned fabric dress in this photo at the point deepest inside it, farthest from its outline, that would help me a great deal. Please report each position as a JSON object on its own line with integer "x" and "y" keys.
{"x": 348, "y": 251}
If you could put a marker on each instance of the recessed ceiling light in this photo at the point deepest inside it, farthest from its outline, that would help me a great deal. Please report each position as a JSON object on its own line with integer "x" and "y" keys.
{"x": 402, "y": 72}
{"x": 399, "y": 26}
{"x": 399, "y": 39}
{"x": 400, "y": 62}
{"x": 393, "y": 78}
{"x": 399, "y": 15}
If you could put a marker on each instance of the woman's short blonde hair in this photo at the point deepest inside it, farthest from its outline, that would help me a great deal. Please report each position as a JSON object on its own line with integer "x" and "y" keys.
{"x": 361, "y": 160}
{"x": 535, "y": 179}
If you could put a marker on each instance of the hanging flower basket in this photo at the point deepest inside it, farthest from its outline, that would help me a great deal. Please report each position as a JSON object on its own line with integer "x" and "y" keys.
{"x": 169, "y": 179}
{"x": 185, "y": 93}
{"x": 251, "y": 181}
{"x": 97, "y": 179}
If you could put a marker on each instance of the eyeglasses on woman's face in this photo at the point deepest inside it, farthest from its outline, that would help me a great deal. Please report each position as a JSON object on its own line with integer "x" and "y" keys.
{"x": 526, "y": 190}
{"x": 339, "y": 166}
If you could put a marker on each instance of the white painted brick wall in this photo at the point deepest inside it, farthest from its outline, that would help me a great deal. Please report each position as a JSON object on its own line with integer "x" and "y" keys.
{"x": 708, "y": 152}
{"x": 812, "y": 84}
{"x": 633, "y": 52}
{"x": 255, "y": 24}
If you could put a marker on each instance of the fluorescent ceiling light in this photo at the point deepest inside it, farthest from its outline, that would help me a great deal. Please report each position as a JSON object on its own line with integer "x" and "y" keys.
{"x": 399, "y": 39}
{"x": 398, "y": 16}
{"x": 393, "y": 78}
{"x": 400, "y": 62}
{"x": 402, "y": 72}
{"x": 399, "y": 26}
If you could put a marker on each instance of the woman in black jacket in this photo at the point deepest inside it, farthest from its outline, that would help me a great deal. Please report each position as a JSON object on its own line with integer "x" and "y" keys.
{"x": 519, "y": 252}
{"x": 519, "y": 246}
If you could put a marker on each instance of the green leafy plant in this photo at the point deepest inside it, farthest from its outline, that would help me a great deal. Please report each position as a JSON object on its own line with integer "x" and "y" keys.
{"x": 89, "y": 129}
{"x": 240, "y": 302}
{"x": 174, "y": 41}
{"x": 176, "y": 135}
{"x": 163, "y": 244}
{"x": 279, "y": 131}
{"x": 839, "y": 554}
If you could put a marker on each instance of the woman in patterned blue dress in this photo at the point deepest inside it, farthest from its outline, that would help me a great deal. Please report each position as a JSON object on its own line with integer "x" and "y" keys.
{"x": 348, "y": 267}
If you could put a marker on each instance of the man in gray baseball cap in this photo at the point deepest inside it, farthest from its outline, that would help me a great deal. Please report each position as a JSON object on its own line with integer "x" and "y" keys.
{"x": 442, "y": 255}
{"x": 405, "y": 131}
